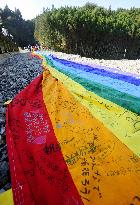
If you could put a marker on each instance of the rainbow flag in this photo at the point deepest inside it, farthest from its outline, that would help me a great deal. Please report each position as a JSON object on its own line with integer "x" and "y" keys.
{"x": 73, "y": 136}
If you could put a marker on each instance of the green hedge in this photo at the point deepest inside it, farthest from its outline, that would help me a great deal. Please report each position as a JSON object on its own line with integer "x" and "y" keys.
{"x": 91, "y": 31}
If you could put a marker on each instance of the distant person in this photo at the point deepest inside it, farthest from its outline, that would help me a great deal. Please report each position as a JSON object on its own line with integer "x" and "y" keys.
{"x": 125, "y": 53}
{"x": 29, "y": 48}
{"x": 35, "y": 49}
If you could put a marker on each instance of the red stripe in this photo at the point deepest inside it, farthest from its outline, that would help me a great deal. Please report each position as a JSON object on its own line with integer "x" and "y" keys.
{"x": 39, "y": 173}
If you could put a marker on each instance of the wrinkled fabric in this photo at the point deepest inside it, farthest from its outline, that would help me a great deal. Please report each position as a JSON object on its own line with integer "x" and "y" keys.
{"x": 38, "y": 171}
{"x": 119, "y": 85}
{"x": 103, "y": 72}
{"x": 122, "y": 98}
{"x": 68, "y": 145}
{"x": 123, "y": 123}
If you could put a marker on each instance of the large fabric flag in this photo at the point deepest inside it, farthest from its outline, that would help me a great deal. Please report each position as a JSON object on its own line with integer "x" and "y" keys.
{"x": 73, "y": 136}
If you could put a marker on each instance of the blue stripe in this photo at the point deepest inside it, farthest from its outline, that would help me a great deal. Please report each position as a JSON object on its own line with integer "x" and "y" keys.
{"x": 119, "y": 85}
{"x": 98, "y": 71}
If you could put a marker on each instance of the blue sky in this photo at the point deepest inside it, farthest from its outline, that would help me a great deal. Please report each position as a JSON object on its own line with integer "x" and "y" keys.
{"x": 30, "y": 8}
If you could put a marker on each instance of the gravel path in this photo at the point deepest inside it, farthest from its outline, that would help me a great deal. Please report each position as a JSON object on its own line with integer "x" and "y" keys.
{"x": 16, "y": 71}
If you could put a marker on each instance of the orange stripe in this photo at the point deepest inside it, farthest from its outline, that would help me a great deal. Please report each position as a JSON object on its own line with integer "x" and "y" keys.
{"x": 99, "y": 163}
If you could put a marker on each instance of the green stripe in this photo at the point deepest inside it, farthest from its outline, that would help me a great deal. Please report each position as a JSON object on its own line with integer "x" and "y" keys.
{"x": 123, "y": 99}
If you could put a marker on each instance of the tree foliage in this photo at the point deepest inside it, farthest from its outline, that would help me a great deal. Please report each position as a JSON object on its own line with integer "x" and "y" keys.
{"x": 19, "y": 31}
{"x": 90, "y": 31}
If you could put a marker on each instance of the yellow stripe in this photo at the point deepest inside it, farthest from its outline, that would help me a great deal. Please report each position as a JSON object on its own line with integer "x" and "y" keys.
{"x": 100, "y": 165}
{"x": 123, "y": 123}
{"x": 6, "y": 198}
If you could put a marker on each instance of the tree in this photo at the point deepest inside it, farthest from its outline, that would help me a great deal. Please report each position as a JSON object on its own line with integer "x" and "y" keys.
{"x": 21, "y": 30}
{"x": 90, "y": 31}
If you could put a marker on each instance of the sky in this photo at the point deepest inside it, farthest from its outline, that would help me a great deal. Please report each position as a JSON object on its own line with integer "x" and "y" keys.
{"x": 31, "y": 8}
